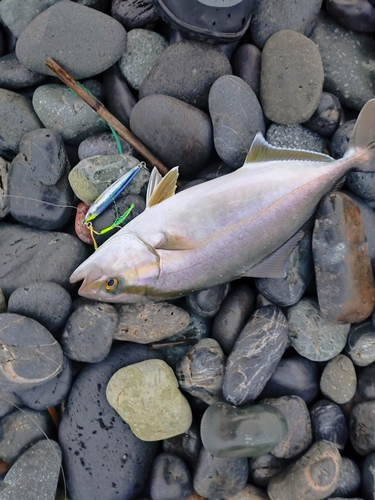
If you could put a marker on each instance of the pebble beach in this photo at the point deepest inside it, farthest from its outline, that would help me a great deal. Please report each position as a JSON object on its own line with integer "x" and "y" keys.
{"x": 255, "y": 389}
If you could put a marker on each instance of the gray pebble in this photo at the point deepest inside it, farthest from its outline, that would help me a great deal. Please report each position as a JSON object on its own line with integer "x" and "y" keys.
{"x": 361, "y": 343}
{"x": 264, "y": 468}
{"x": 357, "y": 15}
{"x": 14, "y": 75}
{"x": 362, "y": 428}
{"x": 340, "y": 139}
{"x": 4, "y": 175}
{"x": 296, "y": 137}
{"x": 134, "y": 13}
{"x": 170, "y": 478}
{"x": 246, "y": 64}
{"x": 339, "y": 380}
{"x": 327, "y": 116}
{"x": 186, "y": 445}
{"x": 366, "y": 382}
{"x": 349, "y": 478}
{"x": 368, "y": 476}
{"x": 236, "y": 117}
{"x": 16, "y": 14}
{"x": 84, "y": 41}
{"x": 362, "y": 184}
{"x": 206, "y": 303}
{"x": 103, "y": 144}
{"x": 329, "y": 424}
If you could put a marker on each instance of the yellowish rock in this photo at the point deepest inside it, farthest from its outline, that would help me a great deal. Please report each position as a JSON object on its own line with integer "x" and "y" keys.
{"x": 147, "y": 397}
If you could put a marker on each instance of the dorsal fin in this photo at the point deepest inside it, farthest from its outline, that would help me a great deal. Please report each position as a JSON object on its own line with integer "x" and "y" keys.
{"x": 154, "y": 180}
{"x": 163, "y": 188}
{"x": 261, "y": 151}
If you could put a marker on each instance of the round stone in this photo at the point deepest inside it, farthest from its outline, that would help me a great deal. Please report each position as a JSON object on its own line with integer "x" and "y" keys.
{"x": 14, "y": 75}
{"x": 170, "y": 478}
{"x": 361, "y": 343}
{"x": 149, "y": 388}
{"x": 327, "y": 116}
{"x": 103, "y": 144}
{"x": 329, "y": 424}
{"x": 362, "y": 428}
{"x": 339, "y": 380}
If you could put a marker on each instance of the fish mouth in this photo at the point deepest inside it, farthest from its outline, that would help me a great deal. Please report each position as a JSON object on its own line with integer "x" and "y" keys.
{"x": 92, "y": 280}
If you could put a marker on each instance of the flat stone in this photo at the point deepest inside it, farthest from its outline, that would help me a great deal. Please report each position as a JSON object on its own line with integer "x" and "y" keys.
{"x": 304, "y": 479}
{"x": 249, "y": 431}
{"x": 312, "y": 335}
{"x": 186, "y": 70}
{"x": 339, "y": 380}
{"x": 170, "y": 478}
{"x": 142, "y": 49}
{"x": 347, "y": 60}
{"x": 236, "y": 117}
{"x": 149, "y": 387}
{"x": 362, "y": 428}
{"x": 329, "y": 423}
{"x": 146, "y": 323}
{"x": 255, "y": 355}
{"x": 83, "y": 41}
{"x": 342, "y": 261}
{"x": 14, "y": 75}
{"x": 35, "y": 474}
{"x": 134, "y": 13}
{"x": 18, "y": 117}
{"x": 187, "y": 132}
{"x": 291, "y": 81}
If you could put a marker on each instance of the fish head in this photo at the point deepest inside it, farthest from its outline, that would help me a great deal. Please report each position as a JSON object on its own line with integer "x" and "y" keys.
{"x": 119, "y": 271}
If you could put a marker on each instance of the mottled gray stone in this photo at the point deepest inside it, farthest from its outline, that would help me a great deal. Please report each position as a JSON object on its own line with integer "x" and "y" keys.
{"x": 16, "y": 14}
{"x": 142, "y": 49}
{"x": 340, "y": 140}
{"x": 296, "y": 137}
{"x": 366, "y": 382}
{"x": 83, "y": 41}
{"x": 236, "y": 117}
{"x": 271, "y": 16}
{"x": 339, "y": 380}
{"x": 329, "y": 424}
{"x": 186, "y": 445}
{"x": 206, "y": 303}
{"x": 134, "y": 13}
{"x": 103, "y": 144}
{"x": 17, "y": 118}
{"x": 357, "y": 15}
{"x": 14, "y": 75}
{"x": 349, "y": 478}
{"x": 368, "y": 476}
{"x": 347, "y": 58}
{"x": 255, "y": 355}
{"x": 4, "y": 175}
{"x": 361, "y": 343}
{"x": 313, "y": 336}
{"x": 170, "y": 478}
{"x": 362, "y": 427}
{"x": 264, "y": 468}
{"x": 291, "y": 80}
{"x": 327, "y": 116}
{"x": 186, "y": 70}
{"x": 249, "y": 493}
{"x": 362, "y": 184}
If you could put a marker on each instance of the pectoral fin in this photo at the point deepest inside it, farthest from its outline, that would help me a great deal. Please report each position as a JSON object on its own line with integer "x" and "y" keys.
{"x": 169, "y": 241}
{"x": 160, "y": 188}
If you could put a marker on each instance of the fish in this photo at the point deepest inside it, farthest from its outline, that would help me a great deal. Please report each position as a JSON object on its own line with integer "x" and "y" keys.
{"x": 245, "y": 223}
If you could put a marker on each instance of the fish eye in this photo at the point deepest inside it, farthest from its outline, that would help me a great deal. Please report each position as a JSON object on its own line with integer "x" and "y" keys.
{"x": 111, "y": 284}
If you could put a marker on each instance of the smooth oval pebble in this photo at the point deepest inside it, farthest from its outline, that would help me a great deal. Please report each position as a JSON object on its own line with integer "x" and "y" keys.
{"x": 339, "y": 380}
{"x": 368, "y": 476}
{"x": 361, "y": 343}
{"x": 313, "y": 336}
{"x": 236, "y": 118}
{"x": 265, "y": 467}
{"x": 134, "y": 13}
{"x": 83, "y": 41}
{"x": 149, "y": 387}
{"x": 14, "y": 75}
{"x": 206, "y": 303}
{"x": 291, "y": 81}
{"x": 170, "y": 478}
{"x": 357, "y": 15}
{"x": 246, "y": 64}
{"x": 349, "y": 478}
{"x": 366, "y": 382}
{"x": 186, "y": 445}
{"x": 304, "y": 479}
{"x": 103, "y": 144}
{"x": 327, "y": 116}
{"x": 146, "y": 323}
{"x": 362, "y": 428}
{"x": 187, "y": 132}
{"x": 4, "y": 200}
{"x": 249, "y": 431}
{"x": 328, "y": 423}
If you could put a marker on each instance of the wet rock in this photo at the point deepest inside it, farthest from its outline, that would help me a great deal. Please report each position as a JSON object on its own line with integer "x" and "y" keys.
{"x": 35, "y": 474}
{"x": 340, "y": 140}
{"x": 186, "y": 445}
{"x": 366, "y": 382}
{"x": 88, "y": 333}
{"x": 312, "y": 335}
{"x": 236, "y": 117}
{"x": 255, "y": 355}
{"x": 265, "y": 467}
{"x": 145, "y": 323}
{"x": 186, "y": 71}
{"x": 18, "y": 117}
{"x": 250, "y": 431}
{"x": 24, "y": 342}
{"x": 349, "y": 478}
{"x": 290, "y": 88}
{"x": 170, "y": 478}
{"x": 40, "y": 171}
{"x": 187, "y": 138}
{"x": 328, "y": 423}
{"x": 347, "y": 264}
{"x": 299, "y": 435}
{"x": 295, "y": 137}
{"x": 149, "y": 387}
{"x": 29, "y": 255}
{"x": 14, "y": 75}
{"x": 46, "y": 302}
{"x": 246, "y": 62}
{"x": 270, "y": 16}
{"x": 134, "y": 13}
{"x": 361, "y": 344}
{"x": 339, "y": 381}
{"x": 206, "y": 303}
{"x": 118, "y": 98}
{"x": 103, "y": 144}
{"x": 101, "y": 453}
{"x": 232, "y": 316}
{"x": 142, "y": 49}
{"x": 362, "y": 427}
{"x": 85, "y": 42}
{"x": 357, "y": 15}
{"x": 200, "y": 372}
{"x": 326, "y": 117}
{"x": 219, "y": 477}
{"x": 354, "y": 83}
{"x": 305, "y": 479}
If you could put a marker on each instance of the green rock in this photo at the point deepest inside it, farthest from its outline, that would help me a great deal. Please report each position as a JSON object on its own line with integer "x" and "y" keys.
{"x": 91, "y": 176}
{"x": 147, "y": 397}
{"x": 251, "y": 431}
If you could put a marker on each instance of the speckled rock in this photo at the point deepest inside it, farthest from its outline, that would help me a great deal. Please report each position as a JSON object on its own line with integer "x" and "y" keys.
{"x": 291, "y": 81}
{"x": 149, "y": 386}
{"x": 14, "y": 75}
{"x": 91, "y": 176}
{"x": 269, "y": 17}
{"x": 328, "y": 423}
{"x": 142, "y": 49}
{"x": 327, "y": 116}
{"x": 354, "y": 83}
{"x": 255, "y": 355}
{"x": 16, "y": 15}
{"x": 313, "y": 336}
{"x": 186, "y": 70}
{"x": 170, "y": 478}
{"x": 296, "y": 137}
{"x": 187, "y": 131}
{"x": 342, "y": 261}
{"x": 339, "y": 381}
{"x": 145, "y": 323}
{"x": 362, "y": 184}
{"x": 236, "y": 117}
{"x": 361, "y": 344}
{"x": 246, "y": 63}
{"x": 304, "y": 479}
{"x": 357, "y": 16}
{"x": 362, "y": 428}
{"x": 84, "y": 41}
{"x": 18, "y": 117}
{"x": 134, "y": 13}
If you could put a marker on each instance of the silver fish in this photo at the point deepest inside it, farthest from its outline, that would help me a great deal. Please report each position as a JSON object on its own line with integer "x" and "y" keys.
{"x": 245, "y": 223}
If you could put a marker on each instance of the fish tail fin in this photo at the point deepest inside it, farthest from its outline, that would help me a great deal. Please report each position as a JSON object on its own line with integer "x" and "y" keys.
{"x": 363, "y": 138}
